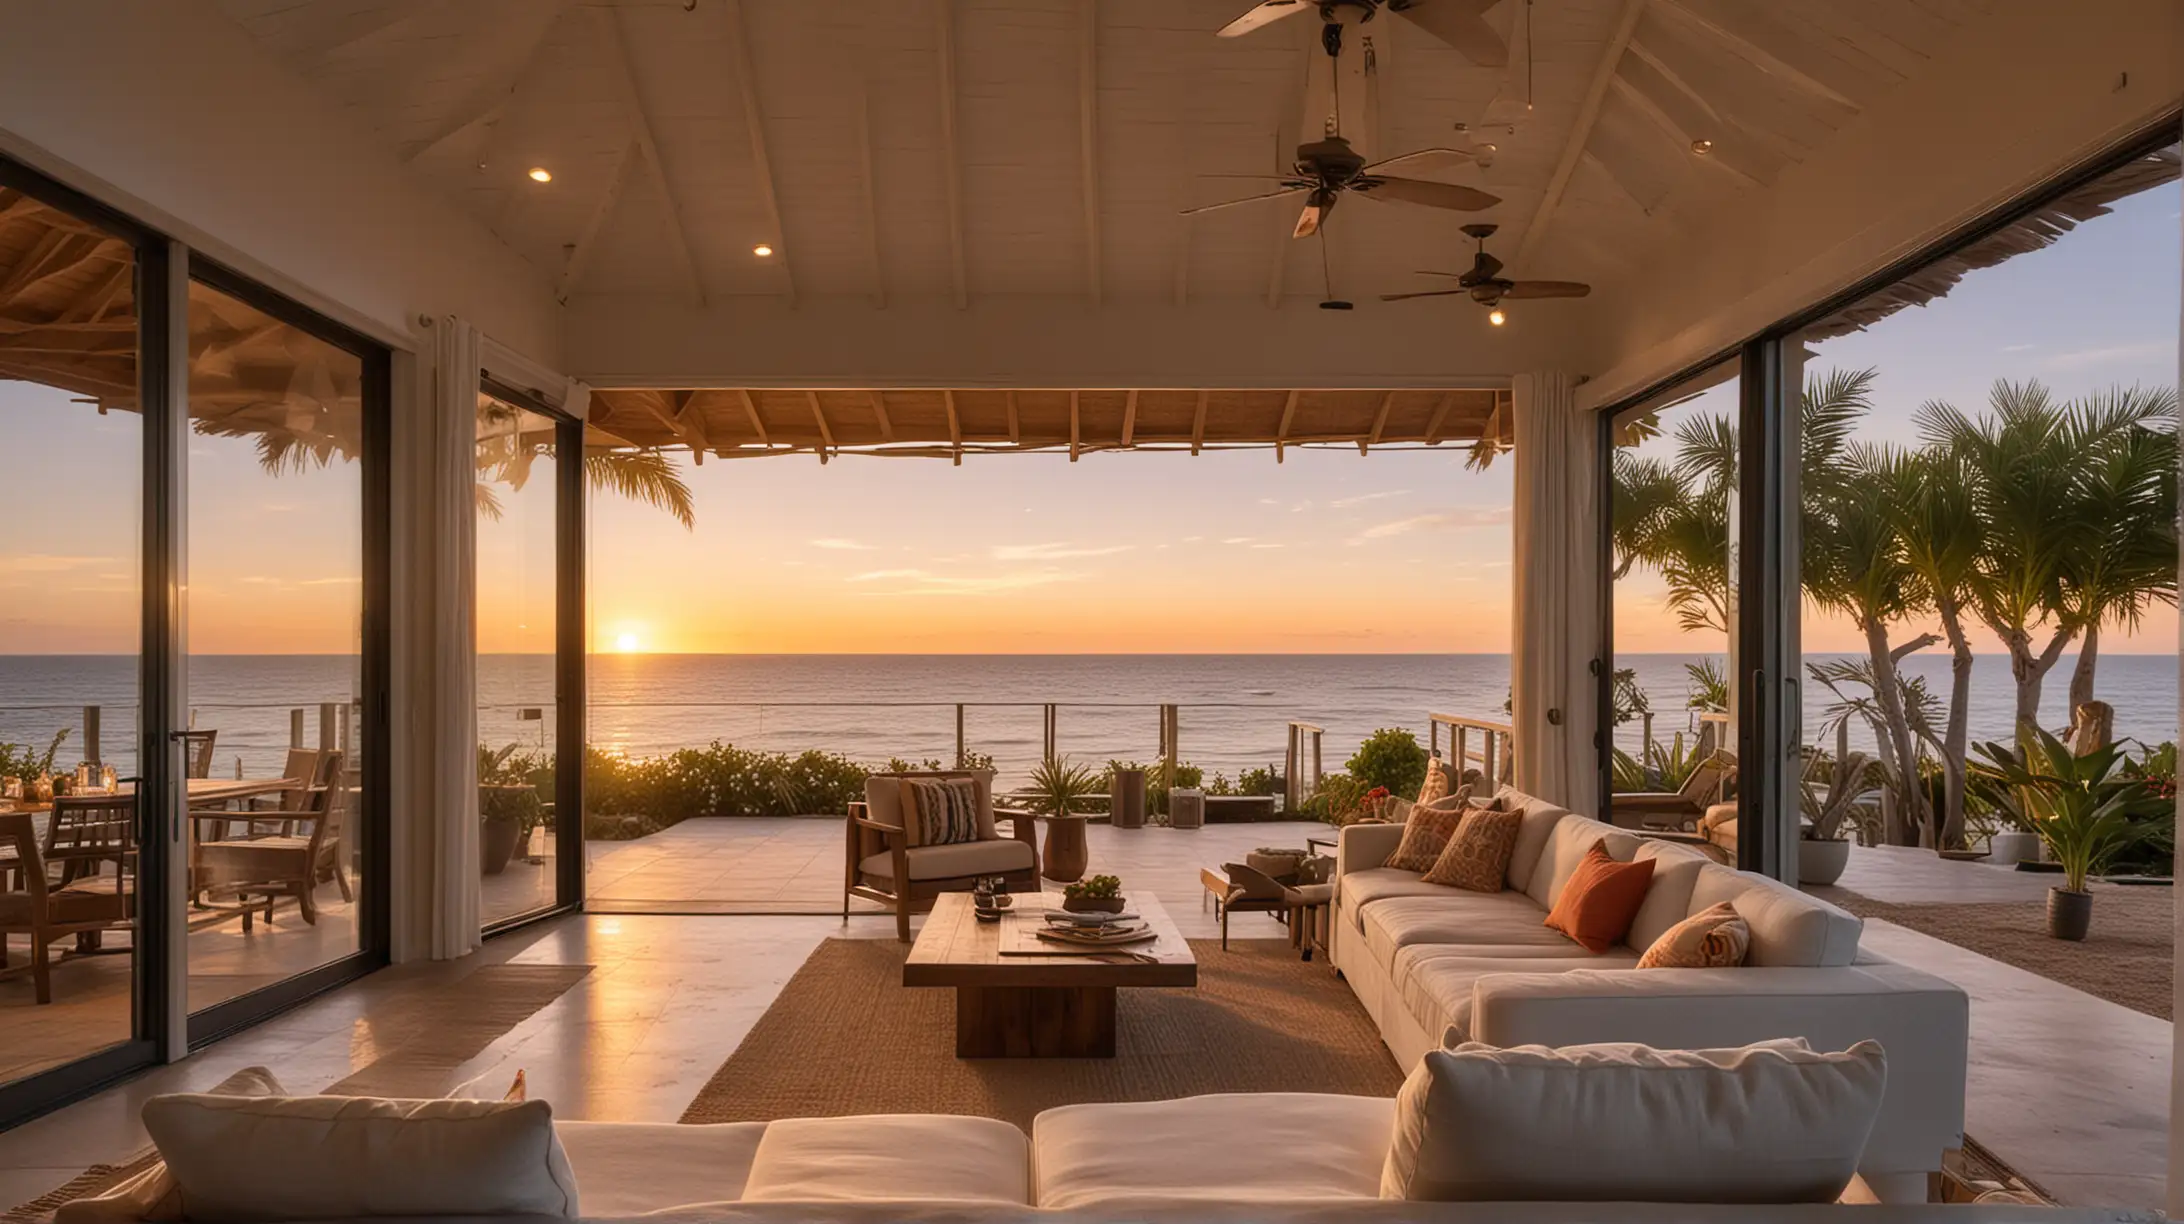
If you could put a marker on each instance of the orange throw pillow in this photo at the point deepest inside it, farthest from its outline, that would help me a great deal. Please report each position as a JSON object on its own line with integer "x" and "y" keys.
{"x": 1597, "y": 905}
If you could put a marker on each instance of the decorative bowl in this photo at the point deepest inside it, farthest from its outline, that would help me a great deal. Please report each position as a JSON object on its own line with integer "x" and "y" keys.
{"x": 1093, "y": 905}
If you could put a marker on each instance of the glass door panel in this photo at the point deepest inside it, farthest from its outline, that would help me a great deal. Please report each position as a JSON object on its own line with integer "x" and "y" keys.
{"x": 71, "y": 490}
{"x": 275, "y": 615}
{"x": 518, "y": 579}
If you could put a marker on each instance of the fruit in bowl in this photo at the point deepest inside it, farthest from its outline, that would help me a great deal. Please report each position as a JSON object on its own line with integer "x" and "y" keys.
{"x": 1102, "y": 894}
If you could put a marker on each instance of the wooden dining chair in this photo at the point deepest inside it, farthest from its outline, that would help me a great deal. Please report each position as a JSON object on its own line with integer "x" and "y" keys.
{"x": 259, "y": 870}
{"x": 197, "y": 753}
{"x": 91, "y": 902}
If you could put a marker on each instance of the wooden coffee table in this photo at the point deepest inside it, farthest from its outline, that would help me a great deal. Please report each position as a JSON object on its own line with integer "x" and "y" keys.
{"x": 1011, "y": 1006}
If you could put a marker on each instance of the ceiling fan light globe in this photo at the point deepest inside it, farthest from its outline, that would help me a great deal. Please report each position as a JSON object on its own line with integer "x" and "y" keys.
{"x": 1496, "y": 317}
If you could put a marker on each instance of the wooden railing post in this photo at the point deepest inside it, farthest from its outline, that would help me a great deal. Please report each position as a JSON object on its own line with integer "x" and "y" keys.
{"x": 295, "y": 728}
{"x": 1289, "y": 771}
{"x": 328, "y": 737}
{"x": 1459, "y": 741}
{"x": 959, "y": 742}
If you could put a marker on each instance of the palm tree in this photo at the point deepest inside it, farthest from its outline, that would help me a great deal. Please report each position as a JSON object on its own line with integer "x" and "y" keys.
{"x": 506, "y": 451}
{"x": 1928, "y": 494}
{"x": 2126, "y": 562}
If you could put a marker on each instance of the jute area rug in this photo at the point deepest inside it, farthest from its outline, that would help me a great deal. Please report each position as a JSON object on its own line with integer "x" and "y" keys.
{"x": 847, "y": 1037}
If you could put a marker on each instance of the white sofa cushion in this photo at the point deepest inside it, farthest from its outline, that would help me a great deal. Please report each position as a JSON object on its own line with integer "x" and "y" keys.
{"x": 1770, "y": 1123}
{"x": 1458, "y": 917}
{"x": 1790, "y": 929}
{"x": 1436, "y": 986}
{"x": 1268, "y": 1147}
{"x": 1567, "y": 843}
{"x": 891, "y": 1157}
{"x": 1362, "y": 888}
{"x": 1668, "y": 898}
{"x": 328, "y": 1157}
{"x": 629, "y": 1168}
{"x": 1540, "y": 819}
{"x": 955, "y": 859}
{"x": 153, "y": 1194}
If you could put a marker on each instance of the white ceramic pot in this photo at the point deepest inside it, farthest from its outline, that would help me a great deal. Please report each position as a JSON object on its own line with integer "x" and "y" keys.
{"x": 2012, "y": 846}
{"x": 1821, "y": 860}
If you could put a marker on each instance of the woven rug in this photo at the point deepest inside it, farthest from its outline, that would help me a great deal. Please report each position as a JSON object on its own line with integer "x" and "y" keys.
{"x": 845, "y": 1036}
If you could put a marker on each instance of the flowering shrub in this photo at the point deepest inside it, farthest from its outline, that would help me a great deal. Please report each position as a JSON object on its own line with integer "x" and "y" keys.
{"x": 722, "y": 780}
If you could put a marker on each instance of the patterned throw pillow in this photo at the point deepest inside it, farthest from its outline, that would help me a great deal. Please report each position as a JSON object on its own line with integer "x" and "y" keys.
{"x": 1425, "y": 835}
{"x": 1456, "y": 802}
{"x": 1436, "y": 783}
{"x": 1477, "y": 856}
{"x": 938, "y": 812}
{"x": 1713, "y": 938}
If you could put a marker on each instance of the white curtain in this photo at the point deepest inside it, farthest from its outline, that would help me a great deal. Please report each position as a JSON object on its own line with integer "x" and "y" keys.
{"x": 451, "y": 861}
{"x": 1557, "y": 608}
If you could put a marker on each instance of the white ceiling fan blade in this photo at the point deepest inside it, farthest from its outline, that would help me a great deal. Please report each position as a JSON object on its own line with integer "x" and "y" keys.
{"x": 1266, "y": 13}
{"x": 1546, "y": 289}
{"x": 1271, "y": 195}
{"x": 1457, "y": 23}
{"x": 1308, "y": 221}
{"x": 1430, "y": 194}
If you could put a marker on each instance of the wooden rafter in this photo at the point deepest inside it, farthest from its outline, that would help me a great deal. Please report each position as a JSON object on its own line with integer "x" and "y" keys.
{"x": 1088, "y": 137}
{"x": 1440, "y": 418}
{"x": 754, "y": 124}
{"x": 1129, "y": 417}
{"x": 1580, "y": 132}
{"x": 1015, "y": 433}
{"x": 1749, "y": 34}
{"x": 1075, "y": 433}
{"x": 955, "y": 422}
{"x": 1380, "y": 424}
{"x": 572, "y": 271}
{"x": 819, "y": 417}
{"x": 871, "y": 204}
{"x": 490, "y": 106}
{"x": 1686, "y": 118}
{"x": 691, "y": 424}
{"x": 1198, "y": 422}
{"x": 951, "y": 161}
{"x": 609, "y": 23}
{"x": 879, "y": 410}
{"x": 750, "y": 413}
{"x": 1289, "y": 416}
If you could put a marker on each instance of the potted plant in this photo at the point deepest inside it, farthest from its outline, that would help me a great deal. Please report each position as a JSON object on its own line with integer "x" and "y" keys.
{"x": 2082, "y": 805}
{"x": 1102, "y": 894}
{"x": 508, "y": 807}
{"x": 1833, "y": 792}
{"x": 1060, "y": 792}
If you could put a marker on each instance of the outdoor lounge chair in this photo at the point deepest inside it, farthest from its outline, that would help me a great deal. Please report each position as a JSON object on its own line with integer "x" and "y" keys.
{"x": 1706, "y": 786}
{"x": 883, "y": 866}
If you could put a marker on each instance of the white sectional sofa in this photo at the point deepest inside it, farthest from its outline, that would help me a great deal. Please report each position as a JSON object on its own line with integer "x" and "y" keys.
{"x": 1436, "y": 966}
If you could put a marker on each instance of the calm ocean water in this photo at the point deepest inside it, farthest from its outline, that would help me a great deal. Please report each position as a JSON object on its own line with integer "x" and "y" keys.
{"x": 872, "y": 707}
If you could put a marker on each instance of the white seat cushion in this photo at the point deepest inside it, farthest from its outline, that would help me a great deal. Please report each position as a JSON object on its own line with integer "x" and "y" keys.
{"x": 629, "y": 1168}
{"x": 952, "y": 861}
{"x": 1769, "y": 1123}
{"x": 1435, "y": 981}
{"x": 1271, "y": 1147}
{"x": 891, "y": 1157}
{"x": 1507, "y": 919}
{"x": 329, "y": 1157}
{"x": 1790, "y": 929}
{"x": 1361, "y": 888}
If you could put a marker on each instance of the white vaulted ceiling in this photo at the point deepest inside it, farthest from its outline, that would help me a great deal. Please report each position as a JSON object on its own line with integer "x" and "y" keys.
{"x": 680, "y": 134}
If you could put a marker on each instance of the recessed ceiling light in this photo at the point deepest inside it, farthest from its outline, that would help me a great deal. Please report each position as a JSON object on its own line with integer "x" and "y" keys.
{"x": 762, "y": 250}
{"x": 540, "y": 174}
{"x": 1702, "y": 147}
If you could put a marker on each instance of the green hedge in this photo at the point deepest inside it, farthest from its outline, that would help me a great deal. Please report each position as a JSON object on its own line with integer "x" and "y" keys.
{"x": 722, "y": 780}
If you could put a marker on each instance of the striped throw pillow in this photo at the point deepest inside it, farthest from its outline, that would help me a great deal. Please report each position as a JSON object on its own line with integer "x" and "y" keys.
{"x": 941, "y": 811}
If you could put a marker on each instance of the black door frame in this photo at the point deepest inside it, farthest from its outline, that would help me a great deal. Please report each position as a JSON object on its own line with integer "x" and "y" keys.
{"x": 569, "y": 654}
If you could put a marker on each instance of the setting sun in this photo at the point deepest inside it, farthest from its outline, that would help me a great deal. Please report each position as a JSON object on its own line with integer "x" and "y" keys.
{"x": 626, "y": 643}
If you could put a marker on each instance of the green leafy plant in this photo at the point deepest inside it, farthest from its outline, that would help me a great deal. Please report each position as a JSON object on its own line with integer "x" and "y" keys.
{"x": 721, "y": 780}
{"x": 1096, "y": 888}
{"x": 1220, "y": 785}
{"x": 1339, "y": 801}
{"x": 2083, "y": 807}
{"x": 1390, "y": 757}
{"x": 1187, "y": 777}
{"x": 1267, "y": 781}
{"x": 24, "y": 762}
{"x": 1709, "y": 686}
{"x": 1059, "y": 788}
{"x": 1837, "y": 791}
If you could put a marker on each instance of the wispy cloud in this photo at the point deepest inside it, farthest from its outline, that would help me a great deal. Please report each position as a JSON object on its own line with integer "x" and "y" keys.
{"x": 49, "y": 563}
{"x": 1344, "y": 503}
{"x": 1237, "y": 540}
{"x": 1439, "y": 520}
{"x": 2078, "y": 359}
{"x": 926, "y": 582}
{"x": 1055, "y": 551}
{"x": 2019, "y": 348}
{"x": 839, "y": 544}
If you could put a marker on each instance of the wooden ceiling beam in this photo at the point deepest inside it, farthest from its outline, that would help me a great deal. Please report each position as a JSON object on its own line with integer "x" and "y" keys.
{"x": 609, "y": 23}
{"x": 819, "y": 417}
{"x": 1013, "y": 433}
{"x": 1129, "y": 417}
{"x": 572, "y": 271}
{"x": 955, "y": 421}
{"x": 690, "y": 422}
{"x": 754, "y": 126}
{"x": 1281, "y": 435}
{"x": 1088, "y": 137}
{"x": 1686, "y": 118}
{"x": 879, "y": 410}
{"x": 1580, "y": 132}
{"x": 1440, "y": 418}
{"x": 1075, "y": 438}
{"x": 1198, "y": 422}
{"x": 1380, "y": 423}
{"x": 871, "y": 205}
{"x": 951, "y": 156}
{"x": 750, "y": 413}
{"x": 1749, "y": 34}
{"x": 489, "y": 107}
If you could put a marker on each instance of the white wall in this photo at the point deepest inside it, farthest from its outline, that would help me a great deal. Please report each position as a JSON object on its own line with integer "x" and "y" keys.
{"x": 1058, "y": 342}
{"x": 168, "y": 110}
{"x": 2016, "y": 98}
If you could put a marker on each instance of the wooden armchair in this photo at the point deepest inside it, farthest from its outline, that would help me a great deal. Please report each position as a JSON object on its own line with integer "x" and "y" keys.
{"x": 197, "y": 749}
{"x": 100, "y": 831}
{"x": 1707, "y": 785}
{"x": 259, "y": 870}
{"x": 882, "y": 863}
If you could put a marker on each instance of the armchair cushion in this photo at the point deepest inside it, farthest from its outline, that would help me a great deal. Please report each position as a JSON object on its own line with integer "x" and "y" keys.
{"x": 995, "y": 857}
{"x": 942, "y": 811}
{"x": 883, "y": 797}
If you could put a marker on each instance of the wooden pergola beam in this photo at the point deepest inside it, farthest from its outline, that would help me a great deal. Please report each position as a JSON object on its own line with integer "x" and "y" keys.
{"x": 1088, "y": 137}
{"x": 1440, "y": 417}
{"x": 951, "y": 156}
{"x": 1075, "y": 439}
{"x": 1129, "y": 417}
{"x": 879, "y": 410}
{"x": 1380, "y": 423}
{"x": 754, "y": 124}
{"x": 819, "y": 417}
{"x": 955, "y": 425}
{"x": 1281, "y": 435}
{"x": 1014, "y": 437}
{"x": 572, "y": 272}
{"x": 1580, "y": 132}
{"x": 750, "y": 411}
{"x": 609, "y": 24}
{"x": 1198, "y": 422}
{"x": 690, "y": 423}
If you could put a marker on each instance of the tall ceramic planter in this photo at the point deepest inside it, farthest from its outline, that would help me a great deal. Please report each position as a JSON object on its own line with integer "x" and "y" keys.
{"x": 2070, "y": 914}
{"x": 1126, "y": 799}
{"x": 1822, "y": 860}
